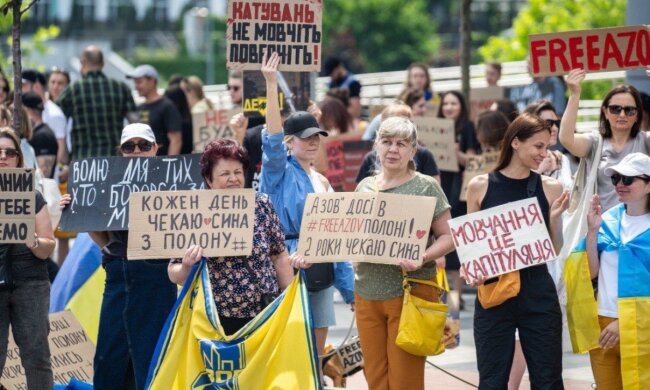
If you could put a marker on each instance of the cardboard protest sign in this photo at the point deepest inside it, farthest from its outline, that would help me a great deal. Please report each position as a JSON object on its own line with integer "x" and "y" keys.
{"x": 501, "y": 239}
{"x": 292, "y": 28}
{"x": 438, "y": 135}
{"x": 477, "y": 165}
{"x": 365, "y": 226}
{"x": 353, "y": 153}
{"x": 17, "y": 206}
{"x": 595, "y": 50}
{"x": 481, "y": 99}
{"x": 71, "y": 352}
{"x": 165, "y": 224}
{"x": 210, "y": 125}
{"x": 335, "y": 171}
{"x": 100, "y": 187}
{"x": 294, "y": 91}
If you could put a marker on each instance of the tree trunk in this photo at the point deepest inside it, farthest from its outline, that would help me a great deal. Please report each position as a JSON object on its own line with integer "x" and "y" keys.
{"x": 16, "y": 59}
{"x": 465, "y": 47}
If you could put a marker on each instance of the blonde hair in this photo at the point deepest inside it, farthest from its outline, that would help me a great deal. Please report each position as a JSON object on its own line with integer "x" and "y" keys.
{"x": 397, "y": 108}
{"x": 399, "y": 127}
{"x": 194, "y": 84}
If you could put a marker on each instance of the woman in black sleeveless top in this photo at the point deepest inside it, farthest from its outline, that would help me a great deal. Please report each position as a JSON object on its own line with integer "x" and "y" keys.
{"x": 535, "y": 311}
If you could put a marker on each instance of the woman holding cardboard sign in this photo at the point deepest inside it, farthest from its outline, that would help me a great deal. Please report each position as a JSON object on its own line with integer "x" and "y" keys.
{"x": 241, "y": 286}
{"x": 138, "y": 295}
{"x": 24, "y": 283}
{"x": 378, "y": 288}
{"x": 532, "y": 305}
{"x": 619, "y": 126}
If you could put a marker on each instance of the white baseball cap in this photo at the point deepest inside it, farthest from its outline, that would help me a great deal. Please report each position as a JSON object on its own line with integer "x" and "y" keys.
{"x": 634, "y": 164}
{"x": 143, "y": 71}
{"x": 137, "y": 130}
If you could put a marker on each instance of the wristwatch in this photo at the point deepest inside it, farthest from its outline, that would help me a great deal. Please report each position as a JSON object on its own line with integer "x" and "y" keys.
{"x": 36, "y": 242}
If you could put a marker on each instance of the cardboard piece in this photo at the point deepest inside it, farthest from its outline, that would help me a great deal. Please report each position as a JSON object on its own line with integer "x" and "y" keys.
{"x": 481, "y": 99}
{"x": 165, "y": 224}
{"x": 501, "y": 239}
{"x": 353, "y": 155}
{"x": 595, "y": 50}
{"x": 293, "y": 93}
{"x": 293, "y": 28}
{"x": 438, "y": 135}
{"x": 210, "y": 125}
{"x": 477, "y": 165}
{"x": 365, "y": 226}
{"x": 17, "y": 206}
{"x": 100, "y": 187}
{"x": 71, "y": 352}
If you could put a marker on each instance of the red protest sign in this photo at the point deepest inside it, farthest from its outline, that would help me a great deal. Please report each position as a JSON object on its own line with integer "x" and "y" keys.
{"x": 292, "y": 28}
{"x": 596, "y": 50}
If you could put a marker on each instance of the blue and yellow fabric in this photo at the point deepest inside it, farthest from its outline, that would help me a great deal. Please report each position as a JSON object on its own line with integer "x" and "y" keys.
{"x": 633, "y": 298}
{"x": 79, "y": 285}
{"x": 275, "y": 350}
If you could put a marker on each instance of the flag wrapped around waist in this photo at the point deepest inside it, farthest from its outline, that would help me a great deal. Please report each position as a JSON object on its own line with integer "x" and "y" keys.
{"x": 275, "y": 350}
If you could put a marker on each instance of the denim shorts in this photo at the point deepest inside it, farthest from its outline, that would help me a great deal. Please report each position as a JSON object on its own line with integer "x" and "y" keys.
{"x": 322, "y": 307}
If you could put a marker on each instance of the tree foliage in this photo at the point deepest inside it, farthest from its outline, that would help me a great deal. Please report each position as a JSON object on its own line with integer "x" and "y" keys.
{"x": 546, "y": 16}
{"x": 379, "y": 35}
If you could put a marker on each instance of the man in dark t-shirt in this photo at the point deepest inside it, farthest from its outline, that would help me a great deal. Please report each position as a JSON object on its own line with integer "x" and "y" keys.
{"x": 253, "y": 145}
{"x": 157, "y": 111}
{"x": 43, "y": 139}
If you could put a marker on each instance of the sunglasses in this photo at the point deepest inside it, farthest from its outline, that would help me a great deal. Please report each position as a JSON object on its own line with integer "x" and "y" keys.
{"x": 233, "y": 87}
{"x": 628, "y": 180}
{"x": 129, "y": 147}
{"x": 9, "y": 152}
{"x": 615, "y": 109}
{"x": 551, "y": 122}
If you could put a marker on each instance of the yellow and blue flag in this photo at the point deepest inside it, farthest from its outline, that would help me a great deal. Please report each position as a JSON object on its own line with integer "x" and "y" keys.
{"x": 79, "y": 285}
{"x": 275, "y": 350}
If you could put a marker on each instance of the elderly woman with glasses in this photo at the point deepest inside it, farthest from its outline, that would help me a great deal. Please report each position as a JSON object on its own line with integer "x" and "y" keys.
{"x": 619, "y": 126}
{"x": 24, "y": 302}
{"x": 138, "y": 295}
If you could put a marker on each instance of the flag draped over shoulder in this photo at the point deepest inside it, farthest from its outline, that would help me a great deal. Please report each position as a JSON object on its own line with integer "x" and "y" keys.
{"x": 79, "y": 285}
{"x": 633, "y": 298}
{"x": 275, "y": 350}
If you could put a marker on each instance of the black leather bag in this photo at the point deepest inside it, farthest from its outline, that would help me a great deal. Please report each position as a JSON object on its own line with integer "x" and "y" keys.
{"x": 319, "y": 276}
{"x": 6, "y": 282}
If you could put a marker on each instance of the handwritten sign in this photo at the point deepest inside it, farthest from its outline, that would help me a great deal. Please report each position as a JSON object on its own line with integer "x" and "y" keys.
{"x": 17, "y": 206}
{"x": 100, "y": 187}
{"x": 335, "y": 171}
{"x": 71, "y": 353}
{"x": 501, "y": 239}
{"x": 292, "y": 28}
{"x": 165, "y": 224}
{"x": 294, "y": 91}
{"x": 481, "y": 99}
{"x": 353, "y": 154}
{"x": 595, "y": 50}
{"x": 210, "y": 125}
{"x": 477, "y": 165}
{"x": 369, "y": 227}
{"x": 438, "y": 135}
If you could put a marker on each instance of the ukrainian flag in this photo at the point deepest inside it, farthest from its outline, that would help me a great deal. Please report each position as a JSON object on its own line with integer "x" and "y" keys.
{"x": 275, "y": 350}
{"x": 79, "y": 285}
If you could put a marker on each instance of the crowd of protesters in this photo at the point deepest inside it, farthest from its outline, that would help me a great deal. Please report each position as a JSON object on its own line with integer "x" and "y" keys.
{"x": 64, "y": 121}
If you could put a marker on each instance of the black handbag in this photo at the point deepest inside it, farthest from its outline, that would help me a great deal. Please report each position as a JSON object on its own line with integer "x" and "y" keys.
{"x": 319, "y": 276}
{"x": 6, "y": 282}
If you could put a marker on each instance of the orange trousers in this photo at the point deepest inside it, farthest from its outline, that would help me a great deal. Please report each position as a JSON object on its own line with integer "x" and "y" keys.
{"x": 606, "y": 363}
{"x": 387, "y": 366}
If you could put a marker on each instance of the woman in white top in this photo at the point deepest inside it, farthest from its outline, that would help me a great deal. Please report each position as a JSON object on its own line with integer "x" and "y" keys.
{"x": 618, "y": 248}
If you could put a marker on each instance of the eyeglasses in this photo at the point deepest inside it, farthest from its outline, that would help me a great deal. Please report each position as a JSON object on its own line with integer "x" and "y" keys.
{"x": 627, "y": 180}
{"x": 551, "y": 122}
{"x": 615, "y": 109}
{"x": 234, "y": 88}
{"x": 9, "y": 152}
{"x": 129, "y": 147}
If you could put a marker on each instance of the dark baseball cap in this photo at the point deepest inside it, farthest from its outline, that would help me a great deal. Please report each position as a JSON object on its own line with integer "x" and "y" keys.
{"x": 32, "y": 100}
{"x": 302, "y": 125}
{"x": 33, "y": 76}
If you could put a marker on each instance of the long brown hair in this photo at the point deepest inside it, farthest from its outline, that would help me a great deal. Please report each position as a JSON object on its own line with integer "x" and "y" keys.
{"x": 8, "y": 132}
{"x": 605, "y": 128}
{"x": 463, "y": 116}
{"x": 525, "y": 126}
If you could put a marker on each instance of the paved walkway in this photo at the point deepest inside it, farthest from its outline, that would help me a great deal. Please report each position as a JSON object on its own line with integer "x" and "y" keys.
{"x": 461, "y": 361}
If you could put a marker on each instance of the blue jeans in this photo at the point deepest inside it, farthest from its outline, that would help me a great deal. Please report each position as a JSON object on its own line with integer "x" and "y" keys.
{"x": 138, "y": 297}
{"x": 26, "y": 309}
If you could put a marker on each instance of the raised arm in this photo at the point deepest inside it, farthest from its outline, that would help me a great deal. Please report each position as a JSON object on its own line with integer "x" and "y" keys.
{"x": 269, "y": 70}
{"x": 578, "y": 145}
{"x": 594, "y": 221}
{"x": 559, "y": 201}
